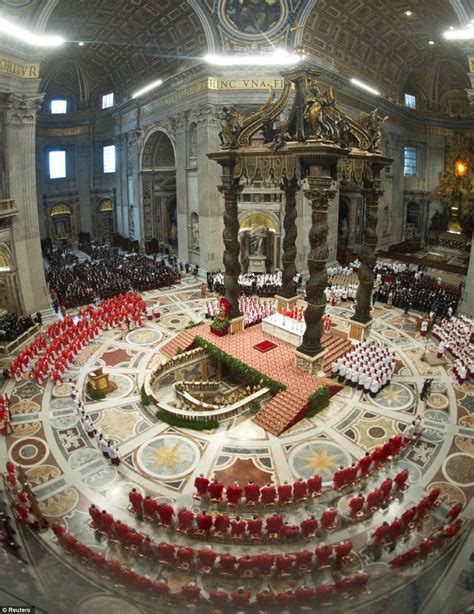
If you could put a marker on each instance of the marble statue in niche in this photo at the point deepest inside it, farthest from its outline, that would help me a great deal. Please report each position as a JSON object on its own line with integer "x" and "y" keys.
{"x": 258, "y": 240}
{"x": 194, "y": 228}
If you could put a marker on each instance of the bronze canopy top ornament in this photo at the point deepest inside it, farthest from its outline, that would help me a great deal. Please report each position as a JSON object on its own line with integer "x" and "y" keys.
{"x": 314, "y": 117}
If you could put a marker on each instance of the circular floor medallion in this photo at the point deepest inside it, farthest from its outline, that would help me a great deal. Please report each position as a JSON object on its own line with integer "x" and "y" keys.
{"x": 29, "y": 451}
{"x": 395, "y": 396}
{"x": 168, "y": 456}
{"x": 144, "y": 336}
{"x": 437, "y": 401}
{"x": 459, "y": 469}
{"x": 320, "y": 457}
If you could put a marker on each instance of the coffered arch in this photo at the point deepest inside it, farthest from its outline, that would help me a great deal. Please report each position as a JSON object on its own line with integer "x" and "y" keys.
{"x": 158, "y": 151}
{"x": 127, "y": 43}
{"x": 376, "y": 41}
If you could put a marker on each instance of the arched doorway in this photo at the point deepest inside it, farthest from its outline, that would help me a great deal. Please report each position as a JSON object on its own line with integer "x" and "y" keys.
{"x": 159, "y": 193}
{"x": 106, "y": 219}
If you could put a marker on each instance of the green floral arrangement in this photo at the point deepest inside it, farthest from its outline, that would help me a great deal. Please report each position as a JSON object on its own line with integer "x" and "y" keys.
{"x": 318, "y": 401}
{"x": 195, "y": 425}
{"x": 255, "y": 405}
{"x": 144, "y": 398}
{"x": 220, "y": 324}
{"x": 193, "y": 325}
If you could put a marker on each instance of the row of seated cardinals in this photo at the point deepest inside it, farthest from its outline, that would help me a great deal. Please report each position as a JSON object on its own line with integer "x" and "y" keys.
{"x": 190, "y": 594}
{"x": 274, "y": 526}
{"x": 301, "y": 561}
{"x": 252, "y": 493}
{"x": 207, "y": 561}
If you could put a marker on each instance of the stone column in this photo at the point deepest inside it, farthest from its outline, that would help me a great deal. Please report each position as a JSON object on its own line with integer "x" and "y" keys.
{"x": 290, "y": 187}
{"x": 182, "y": 196}
{"x": 231, "y": 189}
{"x": 122, "y": 187}
{"x": 208, "y": 176}
{"x": 320, "y": 196}
{"x": 371, "y": 193}
{"x": 20, "y": 115}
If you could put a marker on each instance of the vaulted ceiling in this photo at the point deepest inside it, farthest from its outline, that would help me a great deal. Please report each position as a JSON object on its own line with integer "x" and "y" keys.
{"x": 127, "y": 43}
{"x": 130, "y": 42}
{"x": 375, "y": 40}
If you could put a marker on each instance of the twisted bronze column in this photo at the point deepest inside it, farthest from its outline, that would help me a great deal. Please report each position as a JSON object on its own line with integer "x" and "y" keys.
{"x": 367, "y": 256}
{"x": 231, "y": 189}
{"x": 290, "y": 186}
{"x": 317, "y": 260}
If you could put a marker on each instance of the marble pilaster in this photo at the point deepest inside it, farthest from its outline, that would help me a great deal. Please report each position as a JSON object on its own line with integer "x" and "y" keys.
{"x": 20, "y": 128}
{"x": 180, "y": 124}
{"x": 210, "y": 203}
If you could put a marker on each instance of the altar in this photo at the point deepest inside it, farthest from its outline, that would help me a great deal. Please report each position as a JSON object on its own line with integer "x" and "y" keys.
{"x": 284, "y": 328}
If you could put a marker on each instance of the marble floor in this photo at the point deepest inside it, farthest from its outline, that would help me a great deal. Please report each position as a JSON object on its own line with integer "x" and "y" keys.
{"x": 67, "y": 473}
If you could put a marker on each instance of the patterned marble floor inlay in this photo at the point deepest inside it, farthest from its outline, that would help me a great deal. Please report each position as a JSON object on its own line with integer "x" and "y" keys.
{"x": 67, "y": 472}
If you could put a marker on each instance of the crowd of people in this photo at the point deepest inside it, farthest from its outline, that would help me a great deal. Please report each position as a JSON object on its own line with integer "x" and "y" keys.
{"x": 336, "y": 293}
{"x": 13, "y": 326}
{"x": 261, "y": 284}
{"x": 456, "y": 336}
{"x": 57, "y": 348}
{"x": 343, "y": 270}
{"x": 85, "y": 281}
{"x": 60, "y": 257}
{"x": 370, "y": 366}
{"x": 415, "y": 290}
{"x": 395, "y": 283}
{"x": 254, "y": 309}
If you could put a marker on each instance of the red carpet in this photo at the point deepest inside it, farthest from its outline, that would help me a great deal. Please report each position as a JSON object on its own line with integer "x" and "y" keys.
{"x": 265, "y": 346}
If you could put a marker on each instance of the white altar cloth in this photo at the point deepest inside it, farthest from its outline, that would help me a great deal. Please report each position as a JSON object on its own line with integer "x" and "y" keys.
{"x": 284, "y": 328}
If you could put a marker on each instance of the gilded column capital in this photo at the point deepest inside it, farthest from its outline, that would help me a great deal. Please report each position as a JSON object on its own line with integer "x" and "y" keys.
{"x": 230, "y": 188}
{"x": 320, "y": 199}
{"x": 372, "y": 195}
